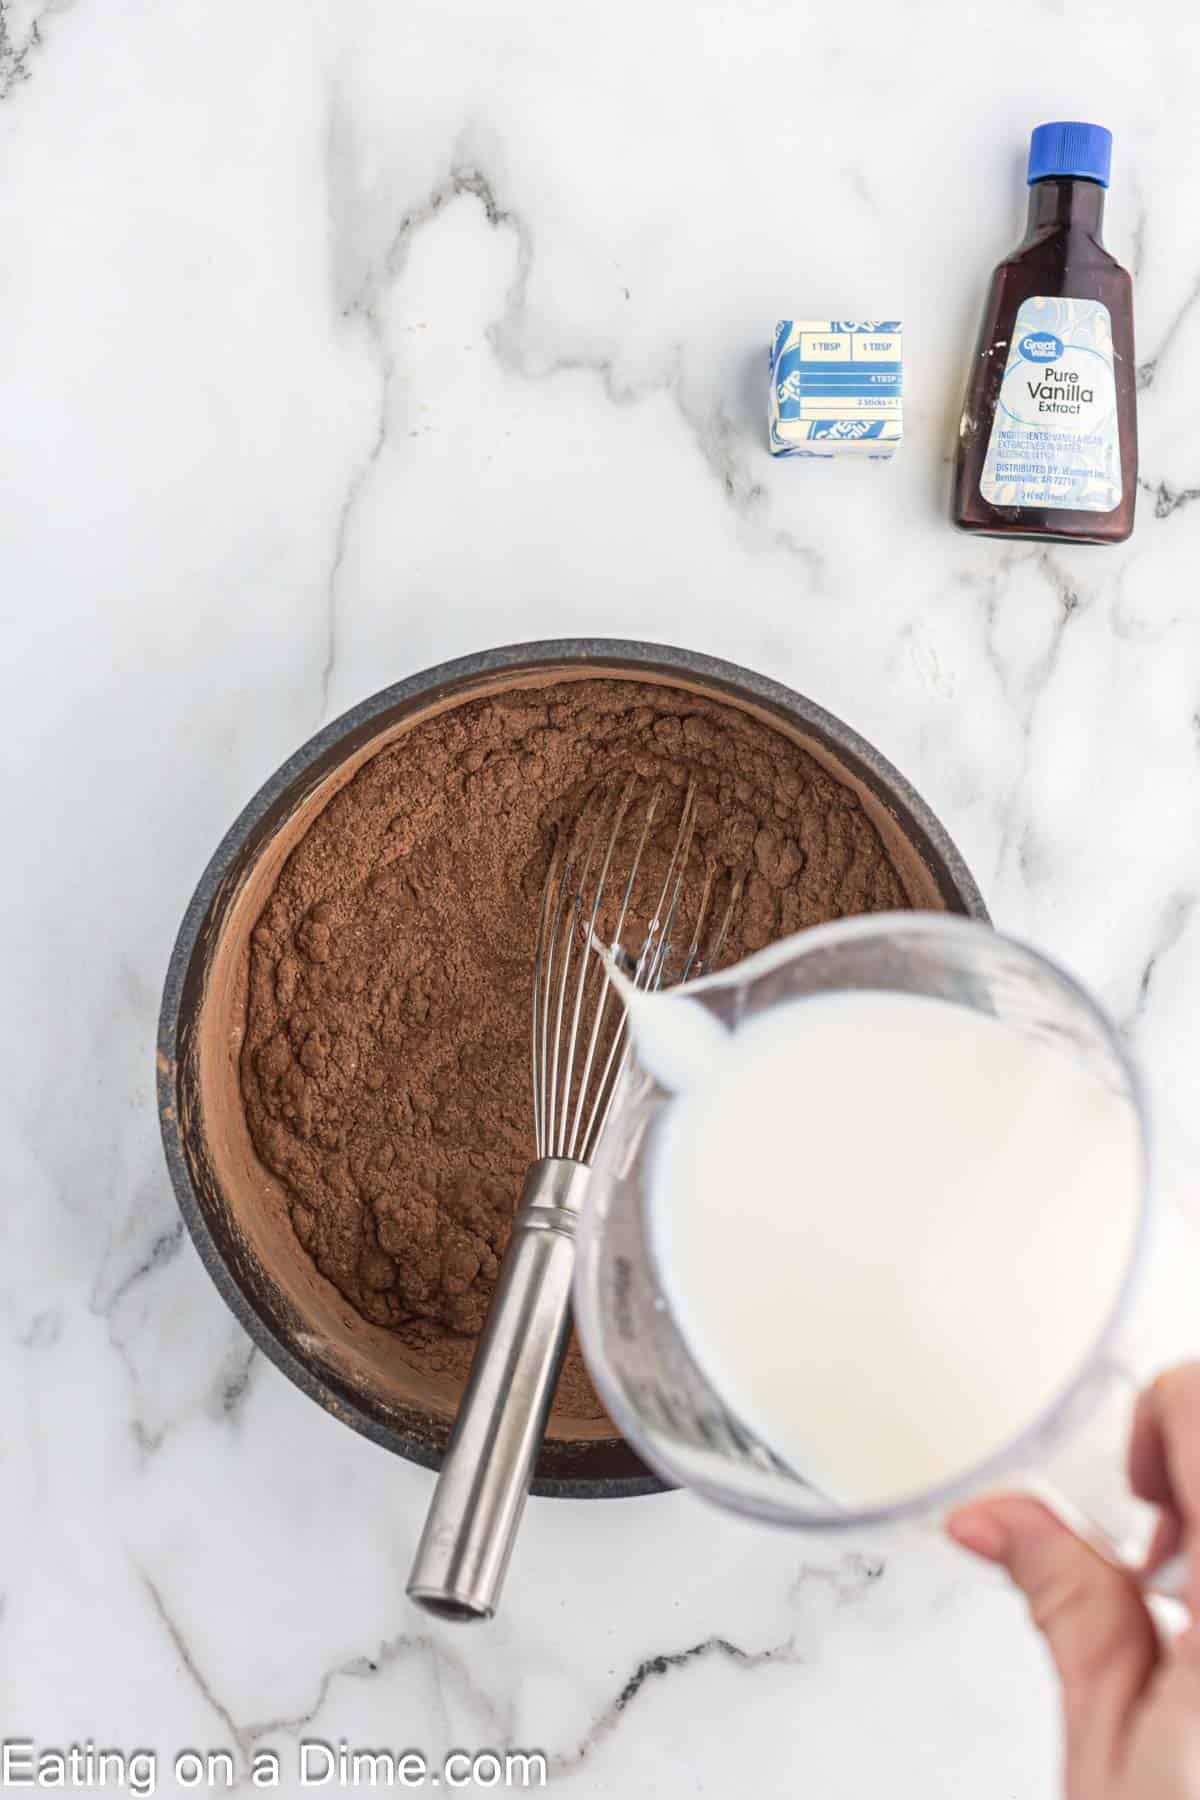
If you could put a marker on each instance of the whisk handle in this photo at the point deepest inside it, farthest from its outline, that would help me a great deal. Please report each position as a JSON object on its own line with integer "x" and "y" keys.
{"x": 472, "y": 1521}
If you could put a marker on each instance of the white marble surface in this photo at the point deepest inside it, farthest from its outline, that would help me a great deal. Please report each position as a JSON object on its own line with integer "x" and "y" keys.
{"x": 338, "y": 340}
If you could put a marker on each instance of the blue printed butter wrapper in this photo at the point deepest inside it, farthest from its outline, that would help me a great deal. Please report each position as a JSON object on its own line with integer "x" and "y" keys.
{"x": 836, "y": 388}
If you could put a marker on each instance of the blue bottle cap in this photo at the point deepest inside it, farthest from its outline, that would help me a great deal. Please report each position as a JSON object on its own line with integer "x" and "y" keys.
{"x": 1068, "y": 148}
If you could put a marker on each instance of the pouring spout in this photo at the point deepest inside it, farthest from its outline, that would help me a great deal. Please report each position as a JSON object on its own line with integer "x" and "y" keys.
{"x": 676, "y": 1037}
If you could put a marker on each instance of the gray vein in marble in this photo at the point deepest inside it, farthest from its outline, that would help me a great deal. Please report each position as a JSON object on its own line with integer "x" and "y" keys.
{"x": 148, "y": 1440}
{"x": 1176, "y": 917}
{"x": 1034, "y": 682}
{"x": 164, "y": 1248}
{"x": 849, "y": 1580}
{"x": 717, "y": 435}
{"x": 357, "y": 293}
{"x": 1168, "y": 500}
{"x": 496, "y": 1719}
{"x": 350, "y": 500}
{"x": 191, "y": 1667}
{"x": 37, "y": 1460}
{"x": 807, "y": 553}
{"x": 44, "y": 1329}
{"x": 856, "y": 181}
{"x": 989, "y": 580}
{"x": 1069, "y": 603}
{"x": 714, "y": 432}
{"x": 1138, "y": 238}
{"x": 1148, "y": 371}
{"x": 16, "y": 52}
{"x": 233, "y": 1381}
{"x": 392, "y": 1651}
{"x": 362, "y": 279}
{"x": 140, "y": 995}
{"x": 107, "y": 1302}
{"x": 656, "y": 1668}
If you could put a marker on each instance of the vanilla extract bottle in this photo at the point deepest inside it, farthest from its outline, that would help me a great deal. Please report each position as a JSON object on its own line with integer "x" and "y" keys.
{"x": 1047, "y": 443}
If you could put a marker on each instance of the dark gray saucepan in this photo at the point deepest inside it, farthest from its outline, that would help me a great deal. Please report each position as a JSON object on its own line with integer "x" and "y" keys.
{"x": 233, "y": 1208}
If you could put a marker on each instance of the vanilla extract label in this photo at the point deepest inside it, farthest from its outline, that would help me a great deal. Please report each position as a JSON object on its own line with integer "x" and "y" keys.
{"x": 1054, "y": 439}
{"x": 1061, "y": 392}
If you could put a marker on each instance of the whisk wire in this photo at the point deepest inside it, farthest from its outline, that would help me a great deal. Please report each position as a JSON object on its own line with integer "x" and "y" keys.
{"x": 570, "y": 908}
{"x": 605, "y": 986}
{"x": 543, "y": 973}
{"x": 586, "y": 964}
{"x": 650, "y": 970}
{"x": 572, "y": 1103}
{"x": 673, "y": 882}
{"x": 692, "y": 956}
{"x": 538, "y": 1013}
{"x": 735, "y": 899}
{"x": 616, "y": 1058}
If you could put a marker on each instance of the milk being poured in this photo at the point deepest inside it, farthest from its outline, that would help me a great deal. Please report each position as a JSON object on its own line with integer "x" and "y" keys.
{"x": 889, "y": 1227}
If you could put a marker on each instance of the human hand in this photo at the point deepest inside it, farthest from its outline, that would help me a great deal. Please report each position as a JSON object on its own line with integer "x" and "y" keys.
{"x": 1131, "y": 1702}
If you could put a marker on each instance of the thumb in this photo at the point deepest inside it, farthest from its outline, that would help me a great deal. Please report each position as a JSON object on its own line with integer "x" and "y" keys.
{"x": 1091, "y": 1614}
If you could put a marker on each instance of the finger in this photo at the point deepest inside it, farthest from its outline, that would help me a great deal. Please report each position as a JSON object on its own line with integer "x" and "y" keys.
{"x": 1146, "y": 1462}
{"x": 1165, "y": 1543}
{"x": 1150, "y": 1479}
{"x": 1183, "y": 1658}
{"x": 1164, "y": 1452}
{"x": 1175, "y": 1708}
{"x": 1164, "y": 1445}
{"x": 1091, "y": 1614}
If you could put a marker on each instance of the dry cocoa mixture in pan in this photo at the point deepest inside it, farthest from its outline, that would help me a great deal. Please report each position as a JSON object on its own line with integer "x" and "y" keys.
{"x": 386, "y": 1062}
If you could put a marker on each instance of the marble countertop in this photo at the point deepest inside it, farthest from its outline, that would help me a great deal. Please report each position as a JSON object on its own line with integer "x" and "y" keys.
{"x": 340, "y": 340}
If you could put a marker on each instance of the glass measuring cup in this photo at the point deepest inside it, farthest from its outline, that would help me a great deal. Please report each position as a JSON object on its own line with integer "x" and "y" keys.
{"x": 642, "y": 1363}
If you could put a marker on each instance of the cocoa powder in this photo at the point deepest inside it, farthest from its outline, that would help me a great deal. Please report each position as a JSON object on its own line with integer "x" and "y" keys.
{"x": 385, "y": 1068}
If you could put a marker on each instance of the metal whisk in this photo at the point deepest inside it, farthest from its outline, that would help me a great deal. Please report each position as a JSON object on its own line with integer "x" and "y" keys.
{"x": 580, "y": 1047}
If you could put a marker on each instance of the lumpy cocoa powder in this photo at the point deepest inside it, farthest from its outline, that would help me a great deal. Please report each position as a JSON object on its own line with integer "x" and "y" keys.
{"x": 385, "y": 1068}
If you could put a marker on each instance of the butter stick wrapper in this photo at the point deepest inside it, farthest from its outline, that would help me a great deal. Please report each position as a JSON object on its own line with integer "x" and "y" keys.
{"x": 836, "y": 388}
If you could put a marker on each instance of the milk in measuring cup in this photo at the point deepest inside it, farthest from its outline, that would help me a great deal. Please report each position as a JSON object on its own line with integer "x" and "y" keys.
{"x": 889, "y": 1227}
